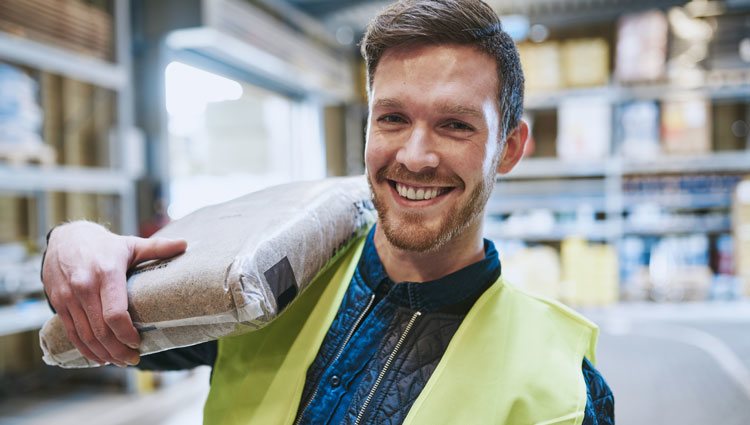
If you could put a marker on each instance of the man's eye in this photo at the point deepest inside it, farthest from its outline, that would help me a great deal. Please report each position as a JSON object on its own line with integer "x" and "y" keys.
{"x": 391, "y": 118}
{"x": 458, "y": 125}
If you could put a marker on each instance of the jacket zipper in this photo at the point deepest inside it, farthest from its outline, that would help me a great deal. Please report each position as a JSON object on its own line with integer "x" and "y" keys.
{"x": 338, "y": 354}
{"x": 386, "y": 366}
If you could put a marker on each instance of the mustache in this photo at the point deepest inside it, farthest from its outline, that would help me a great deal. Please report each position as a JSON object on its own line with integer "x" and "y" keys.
{"x": 430, "y": 177}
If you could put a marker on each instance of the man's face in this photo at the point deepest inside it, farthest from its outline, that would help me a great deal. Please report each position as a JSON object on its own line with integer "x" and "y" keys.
{"x": 432, "y": 142}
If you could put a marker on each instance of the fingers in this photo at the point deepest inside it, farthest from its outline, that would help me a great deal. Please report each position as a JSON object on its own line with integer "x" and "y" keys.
{"x": 86, "y": 335}
{"x": 119, "y": 353}
{"x": 67, "y": 306}
{"x": 70, "y": 330}
{"x": 114, "y": 298}
{"x": 154, "y": 248}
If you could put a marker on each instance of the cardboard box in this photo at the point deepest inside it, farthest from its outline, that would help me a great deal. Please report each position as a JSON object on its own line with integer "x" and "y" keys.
{"x": 584, "y": 129}
{"x": 640, "y": 130}
{"x": 541, "y": 65}
{"x": 741, "y": 232}
{"x": 686, "y": 126}
{"x": 11, "y": 219}
{"x": 585, "y": 62}
{"x": 589, "y": 273}
{"x": 536, "y": 270}
{"x": 72, "y": 24}
{"x": 641, "y": 47}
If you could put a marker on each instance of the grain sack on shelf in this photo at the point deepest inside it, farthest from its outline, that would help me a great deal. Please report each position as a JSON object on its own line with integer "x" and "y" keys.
{"x": 246, "y": 260}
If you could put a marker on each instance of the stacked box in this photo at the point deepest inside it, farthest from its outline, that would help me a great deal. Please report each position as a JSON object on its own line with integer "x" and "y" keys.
{"x": 585, "y": 62}
{"x": 589, "y": 273}
{"x": 686, "y": 126}
{"x": 741, "y": 232}
{"x": 679, "y": 268}
{"x": 584, "y": 129}
{"x": 78, "y": 147}
{"x": 102, "y": 119}
{"x": 552, "y": 65}
{"x": 20, "y": 114}
{"x": 81, "y": 206}
{"x": 639, "y": 126}
{"x": 88, "y": 113}
{"x": 536, "y": 270}
{"x": 642, "y": 47}
{"x": 71, "y": 24}
{"x": 51, "y": 101}
{"x": 11, "y": 220}
{"x": 730, "y": 125}
{"x": 541, "y": 66}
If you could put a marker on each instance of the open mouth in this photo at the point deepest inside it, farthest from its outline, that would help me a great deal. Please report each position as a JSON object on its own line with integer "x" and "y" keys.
{"x": 418, "y": 193}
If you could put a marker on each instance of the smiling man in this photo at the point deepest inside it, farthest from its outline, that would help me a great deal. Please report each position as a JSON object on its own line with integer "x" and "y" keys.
{"x": 415, "y": 324}
{"x": 434, "y": 146}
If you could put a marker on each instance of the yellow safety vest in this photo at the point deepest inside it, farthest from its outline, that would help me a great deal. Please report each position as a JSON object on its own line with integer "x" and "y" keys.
{"x": 515, "y": 359}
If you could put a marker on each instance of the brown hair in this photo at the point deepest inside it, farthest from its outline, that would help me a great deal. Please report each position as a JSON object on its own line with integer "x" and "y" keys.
{"x": 470, "y": 22}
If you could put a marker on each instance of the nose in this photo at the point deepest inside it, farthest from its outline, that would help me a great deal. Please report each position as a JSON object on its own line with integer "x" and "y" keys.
{"x": 418, "y": 152}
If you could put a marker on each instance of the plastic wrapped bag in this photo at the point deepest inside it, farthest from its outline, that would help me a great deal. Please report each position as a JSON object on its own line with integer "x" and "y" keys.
{"x": 246, "y": 260}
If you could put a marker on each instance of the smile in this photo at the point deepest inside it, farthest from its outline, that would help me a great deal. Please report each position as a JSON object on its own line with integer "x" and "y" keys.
{"x": 414, "y": 193}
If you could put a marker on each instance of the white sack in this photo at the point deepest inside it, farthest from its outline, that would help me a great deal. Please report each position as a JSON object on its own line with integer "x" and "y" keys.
{"x": 244, "y": 258}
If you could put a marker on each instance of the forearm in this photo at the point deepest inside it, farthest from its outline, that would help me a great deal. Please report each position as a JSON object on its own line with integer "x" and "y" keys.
{"x": 203, "y": 354}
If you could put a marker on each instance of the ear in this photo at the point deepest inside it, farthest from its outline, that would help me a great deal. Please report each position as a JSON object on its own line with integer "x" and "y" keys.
{"x": 514, "y": 147}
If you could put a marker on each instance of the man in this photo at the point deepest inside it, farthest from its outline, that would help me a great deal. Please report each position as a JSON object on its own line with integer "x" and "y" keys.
{"x": 414, "y": 325}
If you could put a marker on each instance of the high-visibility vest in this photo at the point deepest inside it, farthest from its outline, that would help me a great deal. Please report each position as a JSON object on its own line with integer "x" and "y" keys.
{"x": 515, "y": 359}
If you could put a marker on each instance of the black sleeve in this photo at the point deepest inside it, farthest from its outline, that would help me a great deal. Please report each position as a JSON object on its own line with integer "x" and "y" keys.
{"x": 41, "y": 270}
{"x": 203, "y": 354}
{"x": 600, "y": 404}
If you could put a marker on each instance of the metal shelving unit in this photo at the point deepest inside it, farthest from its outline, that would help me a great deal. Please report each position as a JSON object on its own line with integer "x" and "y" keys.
{"x": 673, "y": 229}
{"x": 596, "y": 232}
{"x": 563, "y": 186}
{"x": 537, "y": 168}
{"x": 38, "y": 181}
{"x": 111, "y": 75}
{"x": 737, "y": 161}
{"x": 64, "y": 179}
{"x": 620, "y": 94}
{"x": 23, "y": 317}
{"x": 70, "y": 64}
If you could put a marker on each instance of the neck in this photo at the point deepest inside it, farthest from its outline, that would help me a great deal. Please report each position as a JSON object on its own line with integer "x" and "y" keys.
{"x": 410, "y": 266}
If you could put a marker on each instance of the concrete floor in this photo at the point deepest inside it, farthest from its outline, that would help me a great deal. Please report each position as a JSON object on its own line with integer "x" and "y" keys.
{"x": 179, "y": 404}
{"x": 684, "y": 372}
{"x": 685, "y": 365}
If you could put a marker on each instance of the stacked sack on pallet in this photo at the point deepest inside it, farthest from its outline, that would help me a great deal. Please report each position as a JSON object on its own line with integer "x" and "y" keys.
{"x": 20, "y": 114}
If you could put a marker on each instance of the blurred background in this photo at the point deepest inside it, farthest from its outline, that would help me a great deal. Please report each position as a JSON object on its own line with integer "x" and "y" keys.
{"x": 632, "y": 203}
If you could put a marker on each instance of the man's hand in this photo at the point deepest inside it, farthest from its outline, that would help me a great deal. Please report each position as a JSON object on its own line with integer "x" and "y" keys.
{"x": 84, "y": 278}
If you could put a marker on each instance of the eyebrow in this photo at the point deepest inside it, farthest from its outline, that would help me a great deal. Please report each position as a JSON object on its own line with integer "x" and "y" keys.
{"x": 459, "y": 110}
{"x": 388, "y": 103}
{"x": 444, "y": 108}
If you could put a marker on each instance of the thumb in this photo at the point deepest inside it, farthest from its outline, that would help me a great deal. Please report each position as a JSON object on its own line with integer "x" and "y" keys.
{"x": 155, "y": 248}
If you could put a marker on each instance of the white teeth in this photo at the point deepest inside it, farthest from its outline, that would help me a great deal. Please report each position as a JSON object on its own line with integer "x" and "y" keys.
{"x": 416, "y": 194}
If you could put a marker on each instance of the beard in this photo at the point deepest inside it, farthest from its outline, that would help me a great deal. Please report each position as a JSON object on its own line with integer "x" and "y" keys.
{"x": 408, "y": 231}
